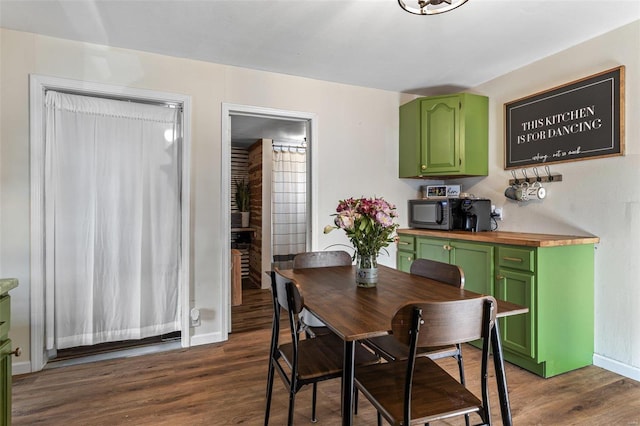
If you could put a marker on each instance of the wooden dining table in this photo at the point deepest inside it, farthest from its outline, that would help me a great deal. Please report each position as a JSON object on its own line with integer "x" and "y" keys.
{"x": 356, "y": 313}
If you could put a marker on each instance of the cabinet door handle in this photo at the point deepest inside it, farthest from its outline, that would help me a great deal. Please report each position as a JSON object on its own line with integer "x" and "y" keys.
{"x": 499, "y": 277}
{"x": 512, "y": 259}
{"x": 409, "y": 258}
{"x": 447, "y": 247}
{"x": 423, "y": 167}
{"x": 16, "y": 352}
{"x": 403, "y": 243}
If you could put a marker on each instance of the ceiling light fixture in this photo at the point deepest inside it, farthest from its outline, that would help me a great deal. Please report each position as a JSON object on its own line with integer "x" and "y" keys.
{"x": 430, "y": 7}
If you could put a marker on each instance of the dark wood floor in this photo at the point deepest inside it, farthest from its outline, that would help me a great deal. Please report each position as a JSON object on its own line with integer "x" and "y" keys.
{"x": 224, "y": 384}
{"x": 256, "y": 311}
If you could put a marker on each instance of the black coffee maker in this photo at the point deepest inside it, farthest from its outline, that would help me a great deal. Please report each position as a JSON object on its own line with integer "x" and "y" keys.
{"x": 473, "y": 215}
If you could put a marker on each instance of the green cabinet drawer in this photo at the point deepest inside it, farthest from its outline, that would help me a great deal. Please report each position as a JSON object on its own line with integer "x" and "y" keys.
{"x": 522, "y": 259}
{"x": 406, "y": 242}
{"x": 5, "y": 316}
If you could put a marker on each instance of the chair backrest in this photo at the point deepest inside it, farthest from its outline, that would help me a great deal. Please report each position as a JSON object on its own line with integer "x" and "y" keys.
{"x": 445, "y": 323}
{"x": 286, "y": 292}
{"x": 320, "y": 259}
{"x": 439, "y": 271}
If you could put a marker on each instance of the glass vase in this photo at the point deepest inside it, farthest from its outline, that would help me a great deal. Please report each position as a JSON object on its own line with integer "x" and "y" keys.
{"x": 366, "y": 270}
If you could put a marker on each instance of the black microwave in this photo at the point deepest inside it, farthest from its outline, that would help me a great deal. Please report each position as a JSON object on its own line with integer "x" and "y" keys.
{"x": 433, "y": 214}
{"x": 451, "y": 213}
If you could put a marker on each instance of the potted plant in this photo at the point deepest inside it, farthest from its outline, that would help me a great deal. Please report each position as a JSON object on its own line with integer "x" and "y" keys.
{"x": 242, "y": 201}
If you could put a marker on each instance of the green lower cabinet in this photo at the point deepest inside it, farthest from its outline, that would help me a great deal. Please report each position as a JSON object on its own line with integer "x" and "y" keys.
{"x": 406, "y": 252}
{"x": 517, "y": 331}
{"x": 405, "y": 259}
{"x": 5, "y": 383}
{"x": 475, "y": 260}
{"x": 6, "y": 284}
{"x": 556, "y": 284}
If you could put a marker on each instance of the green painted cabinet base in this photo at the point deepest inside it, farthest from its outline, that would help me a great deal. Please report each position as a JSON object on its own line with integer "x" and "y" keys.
{"x": 5, "y": 350}
{"x": 5, "y": 383}
{"x": 556, "y": 283}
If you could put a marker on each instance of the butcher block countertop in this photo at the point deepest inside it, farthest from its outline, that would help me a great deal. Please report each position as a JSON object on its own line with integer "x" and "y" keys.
{"x": 7, "y": 284}
{"x": 503, "y": 237}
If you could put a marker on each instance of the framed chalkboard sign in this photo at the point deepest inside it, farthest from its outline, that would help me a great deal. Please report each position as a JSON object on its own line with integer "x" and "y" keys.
{"x": 580, "y": 120}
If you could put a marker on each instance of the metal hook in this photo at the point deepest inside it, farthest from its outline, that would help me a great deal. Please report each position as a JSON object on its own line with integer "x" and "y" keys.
{"x": 524, "y": 173}
{"x": 515, "y": 177}
{"x": 535, "y": 172}
{"x": 548, "y": 170}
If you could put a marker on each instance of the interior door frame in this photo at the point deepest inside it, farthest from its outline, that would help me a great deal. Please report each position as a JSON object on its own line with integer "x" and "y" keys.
{"x": 228, "y": 110}
{"x": 39, "y": 84}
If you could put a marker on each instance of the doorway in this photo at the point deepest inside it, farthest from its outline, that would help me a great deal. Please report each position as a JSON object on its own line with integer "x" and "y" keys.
{"x": 247, "y": 125}
{"x": 41, "y": 333}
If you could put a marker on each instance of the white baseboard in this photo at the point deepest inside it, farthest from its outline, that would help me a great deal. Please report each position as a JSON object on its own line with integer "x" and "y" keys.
{"x": 616, "y": 367}
{"x": 22, "y": 367}
{"x": 205, "y": 339}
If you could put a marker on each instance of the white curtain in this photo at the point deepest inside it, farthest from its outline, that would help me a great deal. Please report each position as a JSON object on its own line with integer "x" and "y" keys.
{"x": 289, "y": 202}
{"x": 112, "y": 212}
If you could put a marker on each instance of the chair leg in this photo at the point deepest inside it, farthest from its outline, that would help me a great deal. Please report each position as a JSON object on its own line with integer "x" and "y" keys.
{"x": 355, "y": 400}
{"x": 460, "y": 364}
{"x": 292, "y": 401}
{"x": 314, "y": 398}
{"x": 462, "y": 380}
{"x": 379, "y": 419}
{"x": 269, "y": 391}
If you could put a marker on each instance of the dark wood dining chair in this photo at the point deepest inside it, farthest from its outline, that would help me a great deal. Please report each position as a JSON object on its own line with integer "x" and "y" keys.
{"x": 417, "y": 390}
{"x": 391, "y": 349}
{"x": 300, "y": 362}
{"x": 318, "y": 259}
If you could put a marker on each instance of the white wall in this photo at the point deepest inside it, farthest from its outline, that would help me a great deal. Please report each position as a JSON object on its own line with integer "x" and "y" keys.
{"x": 598, "y": 196}
{"x": 356, "y": 147}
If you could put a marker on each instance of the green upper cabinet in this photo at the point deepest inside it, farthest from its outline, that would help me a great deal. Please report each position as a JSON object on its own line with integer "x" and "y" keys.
{"x": 444, "y": 136}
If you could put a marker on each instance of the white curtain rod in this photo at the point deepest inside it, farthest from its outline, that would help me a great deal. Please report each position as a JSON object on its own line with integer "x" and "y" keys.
{"x": 288, "y": 146}
{"x": 119, "y": 98}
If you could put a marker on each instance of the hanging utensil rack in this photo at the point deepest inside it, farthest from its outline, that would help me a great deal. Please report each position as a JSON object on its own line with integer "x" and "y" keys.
{"x": 547, "y": 177}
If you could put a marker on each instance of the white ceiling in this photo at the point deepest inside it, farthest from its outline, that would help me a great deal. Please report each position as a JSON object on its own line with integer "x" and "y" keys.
{"x": 370, "y": 43}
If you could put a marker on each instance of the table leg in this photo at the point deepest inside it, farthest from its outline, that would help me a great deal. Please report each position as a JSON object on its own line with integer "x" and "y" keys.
{"x": 347, "y": 382}
{"x": 501, "y": 378}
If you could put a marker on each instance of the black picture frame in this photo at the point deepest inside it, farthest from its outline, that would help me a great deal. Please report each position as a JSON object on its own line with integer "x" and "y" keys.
{"x": 580, "y": 120}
